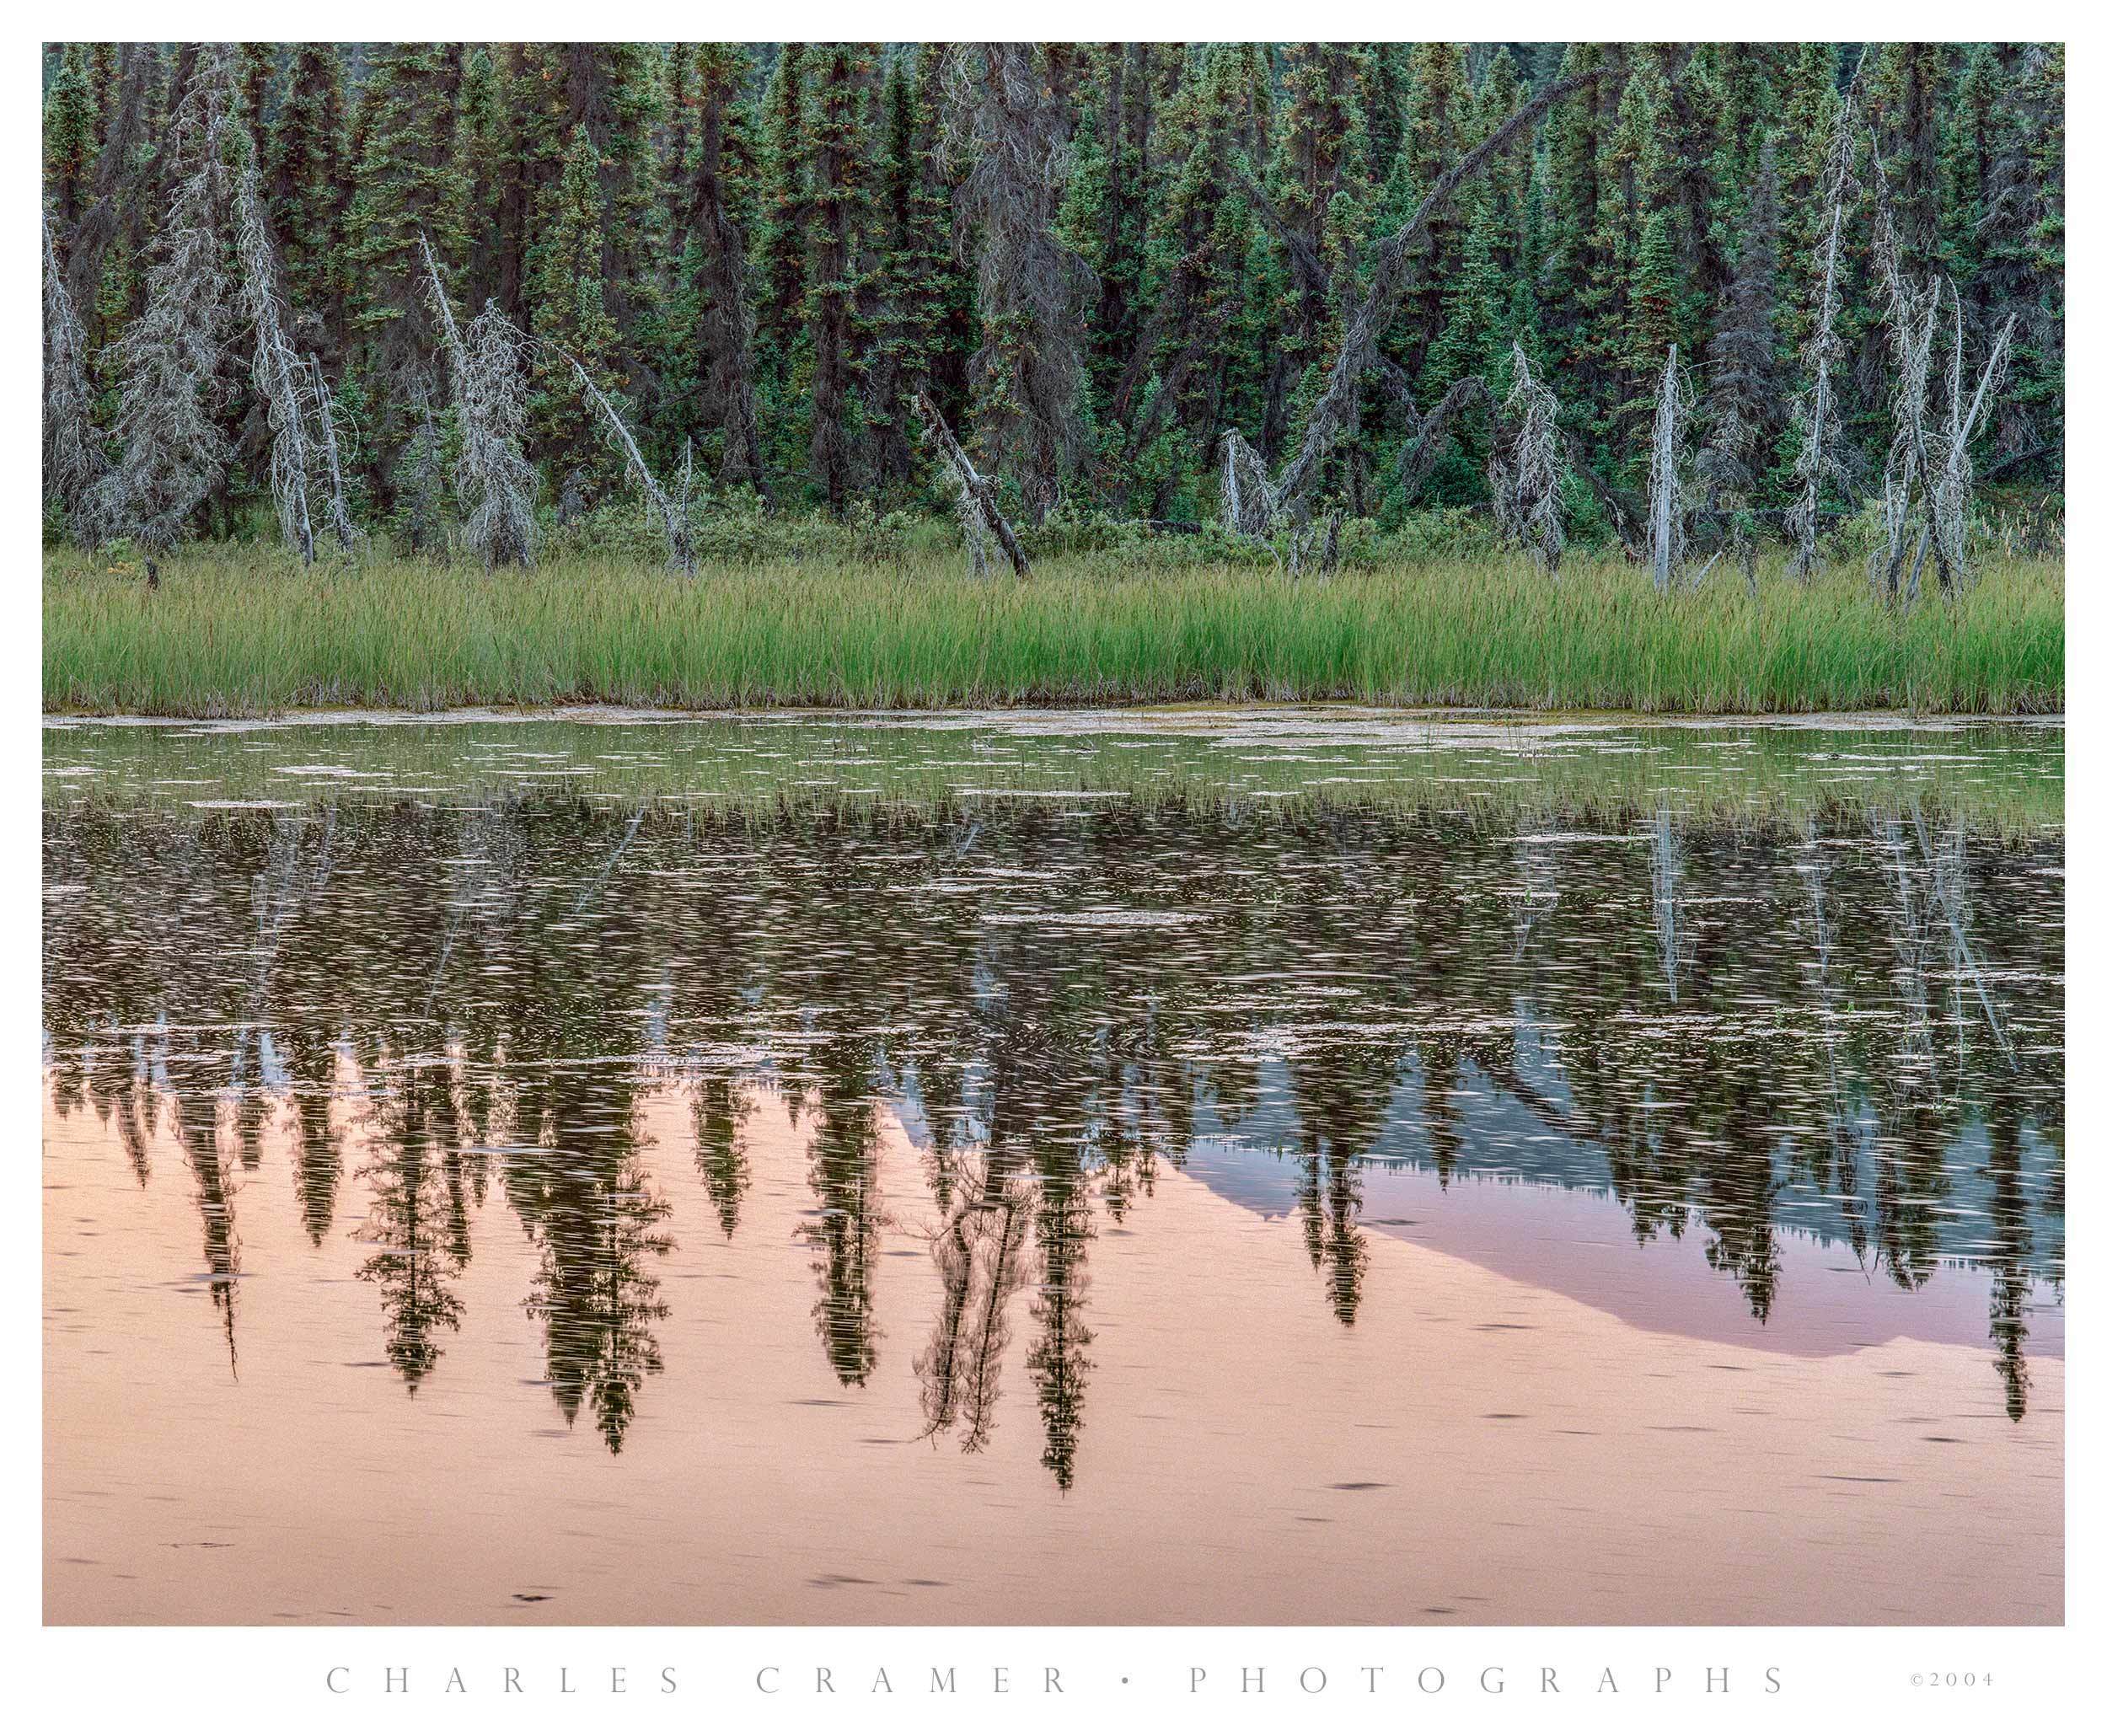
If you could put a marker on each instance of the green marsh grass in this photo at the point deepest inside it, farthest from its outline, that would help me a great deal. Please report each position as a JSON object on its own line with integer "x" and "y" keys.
{"x": 236, "y": 631}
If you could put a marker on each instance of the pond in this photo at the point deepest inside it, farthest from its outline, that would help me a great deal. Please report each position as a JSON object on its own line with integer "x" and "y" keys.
{"x": 1180, "y": 1167}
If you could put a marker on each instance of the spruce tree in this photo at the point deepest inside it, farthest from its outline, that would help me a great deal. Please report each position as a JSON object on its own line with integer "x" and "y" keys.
{"x": 1811, "y": 108}
{"x": 841, "y": 218}
{"x": 1168, "y": 399}
{"x": 1439, "y": 117}
{"x": 1745, "y": 408}
{"x": 1576, "y": 301}
{"x": 406, "y": 190}
{"x": 1322, "y": 192}
{"x": 912, "y": 268}
{"x": 1906, "y": 97}
{"x": 1642, "y": 303}
{"x": 259, "y": 86}
{"x": 572, "y": 322}
{"x": 1506, "y": 179}
{"x": 484, "y": 138}
{"x": 611, "y": 95}
{"x": 70, "y": 136}
{"x": 2004, "y": 204}
{"x": 715, "y": 200}
{"x": 784, "y": 137}
{"x": 782, "y": 348}
{"x": 306, "y": 166}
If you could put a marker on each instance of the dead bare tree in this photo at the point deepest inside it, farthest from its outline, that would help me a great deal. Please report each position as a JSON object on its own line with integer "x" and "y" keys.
{"x": 1009, "y": 130}
{"x": 281, "y": 380}
{"x": 490, "y": 406}
{"x": 1667, "y": 508}
{"x": 74, "y": 460}
{"x": 337, "y": 506}
{"x": 1429, "y": 434}
{"x": 1525, "y": 471}
{"x": 1951, "y": 486}
{"x": 1394, "y": 261}
{"x": 172, "y": 452}
{"x": 1815, "y": 412}
{"x": 673, "y": 515}
{"x": 979, "y": 513}
{"x": 1249, "y": 505}
{"x": 1912, "y": 328}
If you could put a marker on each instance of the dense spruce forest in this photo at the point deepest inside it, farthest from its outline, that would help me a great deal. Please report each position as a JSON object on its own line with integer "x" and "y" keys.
{"x": 1685, "y": 298}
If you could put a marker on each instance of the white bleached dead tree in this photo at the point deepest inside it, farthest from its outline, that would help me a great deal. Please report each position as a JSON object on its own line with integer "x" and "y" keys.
{"x": 281, "y": 376}
{"x": 491, "y": 476}
{"x": 335, "y": 503}
{"x": 1815, "y": 414}
{"x": 1951, "y": 484}
{"x": 1911, "y": 314}
{"x": 1928, "y": 488}
{"x": 1667, "y": 507}
{"x": 672, "y": 514}
{"x": 1249, "y": 505}
{"x": 1524, "y": 470}
{"x": 74, "y": 460}
{"x": 980, "y": 515}
{"x": 171, "y": 451}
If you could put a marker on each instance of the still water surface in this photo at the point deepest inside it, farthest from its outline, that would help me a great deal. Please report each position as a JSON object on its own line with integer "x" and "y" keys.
{"x": 1270, "y": 1168}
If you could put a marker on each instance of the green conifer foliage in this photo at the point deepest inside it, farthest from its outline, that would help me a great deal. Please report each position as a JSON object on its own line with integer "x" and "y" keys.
{"x": 405, "y": 187}
{"x": 840, "y": 219}
{"x": 307, "y": 166}
{"x": 70, "y": 135}
{"x": 711, "y": 387}
{"x": 1097, "y": 260}
{"x": 1323, "y": 193}
{"x": 1440, "y": 117}
{"x": 571, "y": 317}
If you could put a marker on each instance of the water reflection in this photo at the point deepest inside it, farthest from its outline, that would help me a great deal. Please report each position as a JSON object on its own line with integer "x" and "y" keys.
{"x": 1773, "y": 1036}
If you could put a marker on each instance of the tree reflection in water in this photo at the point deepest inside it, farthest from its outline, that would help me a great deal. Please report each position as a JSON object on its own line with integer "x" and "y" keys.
{"x": 1847, "y": 1028}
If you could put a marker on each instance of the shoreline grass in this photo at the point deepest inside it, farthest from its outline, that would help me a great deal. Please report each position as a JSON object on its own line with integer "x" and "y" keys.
{"x": 235, "y": 632}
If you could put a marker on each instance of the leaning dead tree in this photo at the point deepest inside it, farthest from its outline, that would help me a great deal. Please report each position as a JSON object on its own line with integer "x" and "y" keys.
{"x": 1430, "y": 435}
{"x": 74, "y": 460}
{"x": 1815, "y": 414}
{"x": 282, "y": 380}
{"x": 332, "y": 464}
{"x": 1251, "y": 504}
{"x": 979, "y": 514}
{"x": 1667, "y": 507}
{"x": 1524, "y": 469}
{"x": 1388, "y": 281}
{"x": 491, "y": 475}
{"x": 1951, "y": 483}
{"x": 674, "y": 522}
